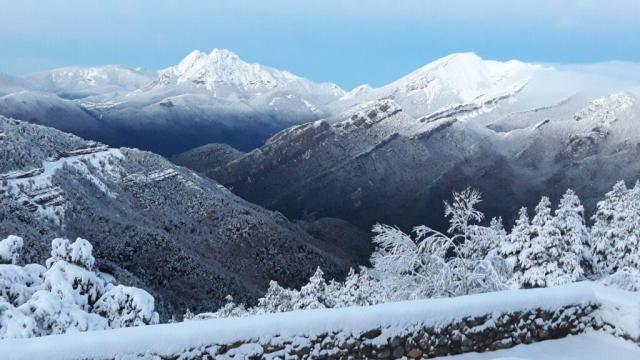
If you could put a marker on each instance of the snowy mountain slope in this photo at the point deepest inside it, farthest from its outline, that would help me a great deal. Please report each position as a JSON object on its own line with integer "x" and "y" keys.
{"x": 187, "y": 239}
{"x": 462, "y": 78}
{"x": 514, "y": 130}
{"x": 379, "y": 164}
{"x": 215, "y": 97}
{"x": 207, "y": 157}
{"x": 48, "y": 109}
{"x": 79, "y": 82}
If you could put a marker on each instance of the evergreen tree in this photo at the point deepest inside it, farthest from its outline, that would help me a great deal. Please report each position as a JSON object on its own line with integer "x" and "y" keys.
{"x": 66, "y": 296}
{"x": 277, "y": 299}
{"x": 540, "y": 259}
{"x": 515, "y": 242}
{"x": 576, "y": 260}
{"x": 358, "y": 289}
{"x": 615, "y": 235}
{"x": 312, "y": 295}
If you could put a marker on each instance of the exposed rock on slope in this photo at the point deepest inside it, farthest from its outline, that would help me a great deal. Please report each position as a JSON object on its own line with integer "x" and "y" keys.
{"x": 378, "y": 163}
{"x": 186, "y": 239}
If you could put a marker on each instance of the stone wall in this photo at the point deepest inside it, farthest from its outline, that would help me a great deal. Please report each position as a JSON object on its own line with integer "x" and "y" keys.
{"x": 471, "y": 334}
{"x": 410, "y": 329}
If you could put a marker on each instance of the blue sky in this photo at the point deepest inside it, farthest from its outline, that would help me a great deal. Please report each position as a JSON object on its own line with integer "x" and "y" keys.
{"x": 348, "y": 42}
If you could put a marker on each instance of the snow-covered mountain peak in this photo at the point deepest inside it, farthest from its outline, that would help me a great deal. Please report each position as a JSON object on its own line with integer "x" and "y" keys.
{"x": 467, "y": 75}
{"x": 223, "y": 55}
{"x": 357, "y": 91}
{"x": 223, "y": 67}
{"x": 461, "y": 79}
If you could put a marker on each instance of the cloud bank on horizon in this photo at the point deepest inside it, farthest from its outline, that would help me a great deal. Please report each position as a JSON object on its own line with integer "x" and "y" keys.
{"x": 346, "y": 42}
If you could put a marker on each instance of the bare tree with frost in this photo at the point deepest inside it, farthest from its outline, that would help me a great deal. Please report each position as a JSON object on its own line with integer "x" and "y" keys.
{"x": 433, "y": 264}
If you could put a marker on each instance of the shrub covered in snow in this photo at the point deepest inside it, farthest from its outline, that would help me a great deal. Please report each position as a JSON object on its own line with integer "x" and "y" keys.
{"x": 126, "y": 306}
{"x": 10, "y": 249}
{"x": 67, "y": 295}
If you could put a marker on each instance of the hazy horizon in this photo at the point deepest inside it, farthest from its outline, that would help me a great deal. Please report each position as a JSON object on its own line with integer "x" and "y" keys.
{"x": 329, "y": 41}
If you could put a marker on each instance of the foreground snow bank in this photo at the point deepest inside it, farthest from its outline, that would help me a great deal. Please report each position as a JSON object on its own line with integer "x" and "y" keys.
{"x": 588, "y": 346}
{"x": 412, "y": 328}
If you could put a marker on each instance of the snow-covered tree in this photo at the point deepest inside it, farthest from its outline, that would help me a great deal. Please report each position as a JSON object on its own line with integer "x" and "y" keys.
{"x": 540, "y": 258}
{"x": 557, "y": 250}
{"x": 14, "y": 324}
{"x": 615, "y": 235}
{"x": 80, "y": 253}
{"x": 230, "y": 309}
{"x": 408, "y": 268}
{"x": 10, "y": 248}
{"x": 126, "y": 306}
{"x": 313, "y": 294}
{"x": 54, "y": 315}
{"x": 66, "y": 296}
{"x": 358, "y": 289}
{"x": 484, "y": 241}
{"x": 462, "y": 212}
{"x": 277, "y": 299}
{"x": 435, "y": 264}
{"x": 513, "y": 244}
{"x": 69, "y": 274}
{"x": 576, "y": 259}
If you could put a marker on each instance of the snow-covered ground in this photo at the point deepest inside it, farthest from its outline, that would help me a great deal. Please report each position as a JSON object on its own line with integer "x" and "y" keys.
{"x": 617, "y": 307}
{"x": 588, "y": 346}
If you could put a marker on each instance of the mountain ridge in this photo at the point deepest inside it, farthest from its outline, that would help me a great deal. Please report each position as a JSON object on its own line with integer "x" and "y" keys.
{"x": 186, "y": 238}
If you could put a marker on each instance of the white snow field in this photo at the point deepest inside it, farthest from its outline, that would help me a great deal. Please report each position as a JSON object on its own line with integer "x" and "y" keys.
{"x": 588, "y": 346}
{"x": 619, "y": 308}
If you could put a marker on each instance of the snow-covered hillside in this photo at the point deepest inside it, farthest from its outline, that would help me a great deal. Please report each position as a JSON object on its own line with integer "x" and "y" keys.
{"x": 393, "y": 153}
{"x": 185, "y": 238}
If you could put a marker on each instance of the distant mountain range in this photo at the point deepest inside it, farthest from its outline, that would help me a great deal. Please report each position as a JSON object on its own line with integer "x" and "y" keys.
{"x": 206, "y": 98}
{"x": 392, "y": 154}
{"x": 516, "y": 130}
